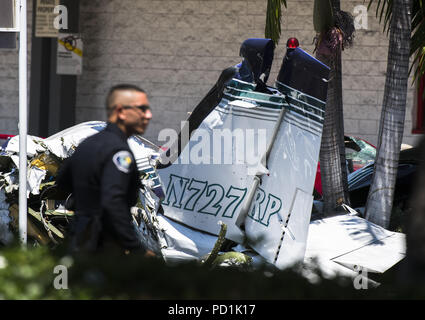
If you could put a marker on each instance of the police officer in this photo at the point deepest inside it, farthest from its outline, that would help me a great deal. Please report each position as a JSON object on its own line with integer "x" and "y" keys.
{"x": 103, "y": 177}
{"x": 147, "y": 118}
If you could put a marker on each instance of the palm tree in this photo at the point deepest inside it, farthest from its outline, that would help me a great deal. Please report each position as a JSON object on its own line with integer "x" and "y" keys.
{"x": 417, "y": 45}
{"x": 273, "y": 20}
{"x": 335, "y": 30}
{"x": 413, "y": 270}
{"x": 381, "y": 193}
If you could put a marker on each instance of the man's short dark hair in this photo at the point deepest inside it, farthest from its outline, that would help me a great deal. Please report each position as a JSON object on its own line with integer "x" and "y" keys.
{"x": 120, "y": 87}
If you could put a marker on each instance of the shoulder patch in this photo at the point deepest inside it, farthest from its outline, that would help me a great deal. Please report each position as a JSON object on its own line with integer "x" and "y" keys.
{"x": 123, "y": 160}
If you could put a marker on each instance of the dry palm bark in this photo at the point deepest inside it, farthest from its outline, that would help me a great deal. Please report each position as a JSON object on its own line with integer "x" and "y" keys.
{"x": 330, "y": 158}
{"x": 381, "y": 193}
{"x": 336, "y": 31}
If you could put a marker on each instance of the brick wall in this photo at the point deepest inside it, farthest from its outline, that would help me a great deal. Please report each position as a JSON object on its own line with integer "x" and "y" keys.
{"x": 175, "y": 50}
{"x": 9, "y": 84}
{"x": 364, "y": 70}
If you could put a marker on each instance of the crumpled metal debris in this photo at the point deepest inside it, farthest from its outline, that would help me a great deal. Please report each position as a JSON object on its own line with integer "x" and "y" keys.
{"x": 6, "y": 235}
{"x": 45, "y": 224}
{"x": 48, "y": 219}
{"x": 173, "y": 241}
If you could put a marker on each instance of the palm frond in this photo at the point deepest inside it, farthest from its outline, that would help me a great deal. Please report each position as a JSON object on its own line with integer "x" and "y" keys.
{"x": 417, "y": 46}
{"x": 274, "y": 19}
{"x": 384, "y": 11}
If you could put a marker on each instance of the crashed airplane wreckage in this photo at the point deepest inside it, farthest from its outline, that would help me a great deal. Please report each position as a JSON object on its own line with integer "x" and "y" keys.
{"x": 238, "y": 178}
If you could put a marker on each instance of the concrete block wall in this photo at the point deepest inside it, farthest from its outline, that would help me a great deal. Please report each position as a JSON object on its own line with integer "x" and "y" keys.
{"x": 176, "y": 49}
{"x": 364, "y": 69}
{"x": 9, "y": 84}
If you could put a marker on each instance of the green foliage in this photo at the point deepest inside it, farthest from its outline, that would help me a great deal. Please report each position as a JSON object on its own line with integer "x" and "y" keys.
{"x": 418, "y": 39}
{"x": 384, "y": 11}
{"x": 274, "y": 19}
{"x": 28, "y": 274}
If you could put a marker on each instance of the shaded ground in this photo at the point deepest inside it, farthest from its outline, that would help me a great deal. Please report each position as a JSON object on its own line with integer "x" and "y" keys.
{"x": 29, "y": 275}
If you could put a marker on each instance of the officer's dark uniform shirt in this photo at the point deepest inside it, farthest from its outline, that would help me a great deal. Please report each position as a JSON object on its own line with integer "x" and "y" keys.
{"x": 103, "y": 177}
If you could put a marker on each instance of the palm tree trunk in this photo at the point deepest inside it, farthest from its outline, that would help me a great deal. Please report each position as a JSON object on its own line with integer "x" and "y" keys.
{"x": 333, "y": 166}
{"x": 330, "y": 160}
{"x": 381, "y": 193}
{"x": 340, "y": 122}
{"x": 336, "y": 6}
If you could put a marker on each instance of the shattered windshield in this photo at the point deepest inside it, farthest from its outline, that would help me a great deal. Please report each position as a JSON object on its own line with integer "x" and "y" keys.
{"x": 363, "y": 157}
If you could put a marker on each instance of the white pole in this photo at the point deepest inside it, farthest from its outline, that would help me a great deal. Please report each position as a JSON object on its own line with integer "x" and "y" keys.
{"x": 23, "y": 123}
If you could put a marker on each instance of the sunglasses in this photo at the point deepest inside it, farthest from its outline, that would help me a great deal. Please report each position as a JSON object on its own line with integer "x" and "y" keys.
{"x": 142, "y": 108}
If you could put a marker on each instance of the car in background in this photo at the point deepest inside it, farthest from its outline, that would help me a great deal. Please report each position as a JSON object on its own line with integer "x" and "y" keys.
{"x": 359, "y": 181}
{"x": 358, "y": 153}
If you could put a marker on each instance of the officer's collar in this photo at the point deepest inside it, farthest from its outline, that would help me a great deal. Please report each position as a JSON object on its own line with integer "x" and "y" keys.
{"x": 112, "y": 127}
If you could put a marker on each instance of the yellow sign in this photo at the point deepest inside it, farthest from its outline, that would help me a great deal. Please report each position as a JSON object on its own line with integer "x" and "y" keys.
{"x": 70, "y": 54}
{"x": 44, "y": 19}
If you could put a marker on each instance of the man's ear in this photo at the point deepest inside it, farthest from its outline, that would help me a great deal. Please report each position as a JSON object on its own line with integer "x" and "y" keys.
{"x": 119, "y": 111}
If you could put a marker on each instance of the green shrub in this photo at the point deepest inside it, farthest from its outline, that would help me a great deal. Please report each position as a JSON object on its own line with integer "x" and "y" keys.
{"x": 28, "y": 274}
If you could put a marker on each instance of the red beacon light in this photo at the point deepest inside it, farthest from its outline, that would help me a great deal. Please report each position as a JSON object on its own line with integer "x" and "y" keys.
{"x": 292, "y": 43}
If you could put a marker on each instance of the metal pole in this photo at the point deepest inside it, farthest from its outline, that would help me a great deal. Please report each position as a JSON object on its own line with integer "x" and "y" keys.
{"x": 23, "y": 127}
